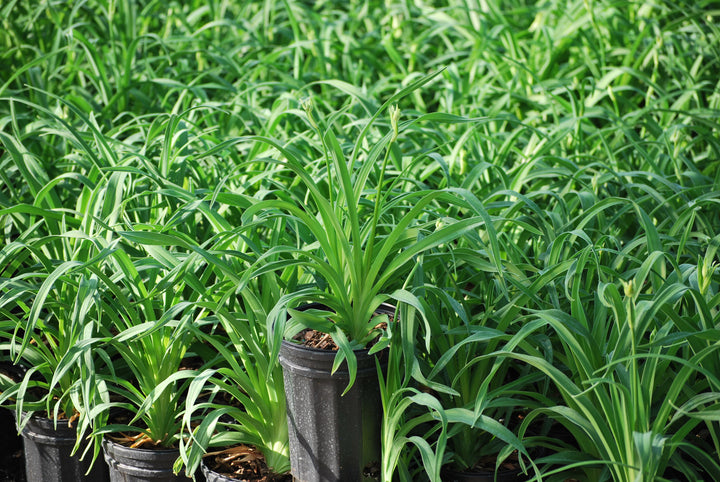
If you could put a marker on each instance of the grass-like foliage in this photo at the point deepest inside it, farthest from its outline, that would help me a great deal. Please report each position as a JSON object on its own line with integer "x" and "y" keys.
{"x": 536, "y": 186}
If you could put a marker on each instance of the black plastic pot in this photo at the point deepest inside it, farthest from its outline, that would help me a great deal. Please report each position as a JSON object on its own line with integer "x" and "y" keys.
{"x": 141, "y": 465}
{"x": 333, "y": 438}
{"x": 47, "y": 454}
{"x": 211, "y": 476}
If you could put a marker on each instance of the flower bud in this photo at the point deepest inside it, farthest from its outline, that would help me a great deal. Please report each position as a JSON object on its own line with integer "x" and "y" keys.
{"x": 307, "y": 106}
{"x": 394, "y": 118}
{"x": 629, "y": 288}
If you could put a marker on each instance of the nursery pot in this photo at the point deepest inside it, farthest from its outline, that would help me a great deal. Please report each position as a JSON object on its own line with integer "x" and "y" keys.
{"x": 212, "y": 476}
{"x": 332, "y": 437}
{"x": 47, "y": 454}
{"x": 141, "y": 465}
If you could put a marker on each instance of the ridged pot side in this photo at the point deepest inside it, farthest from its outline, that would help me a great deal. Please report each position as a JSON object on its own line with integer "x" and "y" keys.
{"x": 141, "y": 465}
{"x": 211, "y": 476}
{"x": 47, "y": 454}
{"x": 332, "y": 437}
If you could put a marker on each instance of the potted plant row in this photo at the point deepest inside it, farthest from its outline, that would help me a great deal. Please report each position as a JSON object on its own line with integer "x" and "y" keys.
{"x": 91, "y": 349}
{"x": 158, "y": 346}
{"x": 50, "y": 315}
{"x": 137, "y": 399}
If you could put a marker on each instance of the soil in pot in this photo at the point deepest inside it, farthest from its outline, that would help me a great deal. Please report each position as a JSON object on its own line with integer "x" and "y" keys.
{"x": 241, "y": 463}
{"x": 141, "y": 464}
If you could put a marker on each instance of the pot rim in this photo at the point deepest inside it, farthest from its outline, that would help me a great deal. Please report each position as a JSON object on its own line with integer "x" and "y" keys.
{"x": 108, "y": 440}
{"x": 383, "y": 308}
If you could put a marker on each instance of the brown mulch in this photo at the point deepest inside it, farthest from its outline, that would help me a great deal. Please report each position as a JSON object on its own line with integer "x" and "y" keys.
{"x": 138, "y": 441}
{"x": 133, "y": 440}
{"x": 316, "y": 339}
{"x": 324, "y": 341}
{"x": 243, "y": 462}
